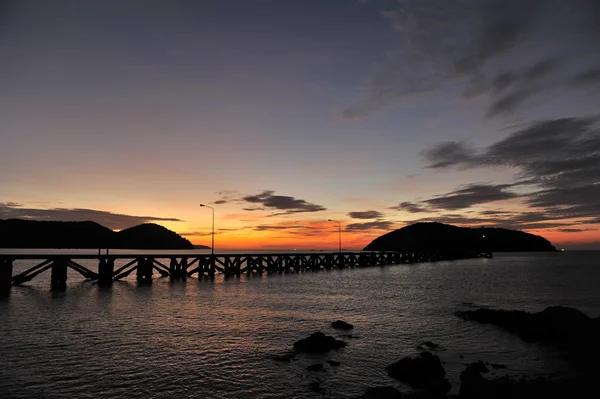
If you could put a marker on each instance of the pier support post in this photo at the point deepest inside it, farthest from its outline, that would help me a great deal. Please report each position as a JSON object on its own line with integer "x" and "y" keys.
{"x": 212, "y": 267}
{"x": 173, "y": 269}
{"x": 6, "y": 268}
{"x": 58, "y": 279}
{"x": 144, "y": 271}
{"x": 178, "y": 270}
{"x": 106, "y": 269}
{"x": 183, "y": 266}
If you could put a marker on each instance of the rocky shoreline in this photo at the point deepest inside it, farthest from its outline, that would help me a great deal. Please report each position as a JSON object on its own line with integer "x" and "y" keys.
{"x": 566, "y": 328}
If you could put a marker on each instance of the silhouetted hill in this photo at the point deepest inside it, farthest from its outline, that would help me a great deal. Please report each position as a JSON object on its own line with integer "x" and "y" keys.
{"x": 151, "y": 236}
{"x": 17, "y": 233}
{"x": 439, "y": 237}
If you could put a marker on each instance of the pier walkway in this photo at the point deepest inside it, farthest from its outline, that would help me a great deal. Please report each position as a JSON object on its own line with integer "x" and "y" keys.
{"x": 179, "y": 266}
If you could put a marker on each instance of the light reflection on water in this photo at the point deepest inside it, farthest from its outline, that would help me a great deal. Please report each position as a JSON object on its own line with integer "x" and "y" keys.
{"x": 213, "y": 338}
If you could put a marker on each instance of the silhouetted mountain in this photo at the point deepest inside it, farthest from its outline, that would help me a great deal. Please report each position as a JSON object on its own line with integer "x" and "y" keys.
{"x": 439, "y": 237}
{"x": 17, "y": 233}
{"x": 151, "y": 236}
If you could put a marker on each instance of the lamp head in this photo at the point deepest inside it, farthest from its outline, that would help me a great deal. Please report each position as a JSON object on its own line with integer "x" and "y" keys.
{"x": 201, "y": 204}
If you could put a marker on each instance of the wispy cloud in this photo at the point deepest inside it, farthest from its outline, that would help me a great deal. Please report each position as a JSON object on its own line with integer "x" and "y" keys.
{"x": 115, "y": 221}
{"x": 410, "y": 207}
{"x": 462, "y": 47}
{"x": 470, "y": 195}
{"x": 376, "y": 225}
{"x": 558, "y": 160}
{"x": 289, "y": 205}
{"x": 365, "y": 215}
{"x": 198, "y": 233}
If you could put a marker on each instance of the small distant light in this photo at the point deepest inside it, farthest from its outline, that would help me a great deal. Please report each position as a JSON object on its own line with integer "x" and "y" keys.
{"x": 562, "y": 250}
{"x": 483, "y": 236}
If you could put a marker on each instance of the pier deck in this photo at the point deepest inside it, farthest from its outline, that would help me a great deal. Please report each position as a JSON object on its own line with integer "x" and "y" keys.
{"x": 179, "y": 266}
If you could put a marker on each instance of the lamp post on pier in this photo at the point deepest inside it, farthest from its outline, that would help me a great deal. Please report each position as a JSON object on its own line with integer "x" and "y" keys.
{"x": 212, "y": 245}
{"x": 339, "y": 232}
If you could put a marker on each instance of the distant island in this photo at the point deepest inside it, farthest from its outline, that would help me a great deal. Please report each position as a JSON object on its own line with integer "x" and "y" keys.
{"x": 18, "y": 233}
{"x": 446, "y": 238}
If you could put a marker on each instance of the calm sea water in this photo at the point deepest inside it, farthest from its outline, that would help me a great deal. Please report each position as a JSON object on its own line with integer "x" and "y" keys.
{"x": 214, "y": 339}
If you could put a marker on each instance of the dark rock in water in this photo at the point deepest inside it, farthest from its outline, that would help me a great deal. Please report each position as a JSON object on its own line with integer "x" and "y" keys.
{"x": 342, "y": 325}
{"x": 425, "y": 371}
{"x": 439, "y": 387}
{"x": 315, "y": 367}
{"x": 349, "y": 336}
{"x": 558, "y": 325}
{"x": 317, "y": 343}
{"x": 429, "y": 344}
{"x": 387, "y": 392}
{"x": 477, "y": 367}
{"x": 496, "y": 366}
{"x": 284, "y": 357}
{"x": 475, "y": 386}
{"x": 333, "y": 362}
{"x": 316, "y": 387}
{"x": 419, "y": 347}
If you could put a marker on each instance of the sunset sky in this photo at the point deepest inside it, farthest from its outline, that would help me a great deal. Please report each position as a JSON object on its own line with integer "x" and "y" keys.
{"x": 283, "y": 114}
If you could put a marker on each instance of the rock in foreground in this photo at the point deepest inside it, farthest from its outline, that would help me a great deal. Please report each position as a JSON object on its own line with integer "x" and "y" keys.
{"x": 318, "y": 343}
{"x": 315, "y": 367}
{"x": 475, "y": 386}
{"x": 387, "y": 392}
{"x": 558, "y": 325}
{"x": 425, "y": 372}
{"x": 341, "y": 325}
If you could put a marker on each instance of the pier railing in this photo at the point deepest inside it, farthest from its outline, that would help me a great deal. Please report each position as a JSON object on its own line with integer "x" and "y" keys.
{"x": 179, "y": 266}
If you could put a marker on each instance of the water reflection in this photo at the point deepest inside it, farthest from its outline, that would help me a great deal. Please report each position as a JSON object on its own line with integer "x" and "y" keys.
{"x": 211, "y": 337}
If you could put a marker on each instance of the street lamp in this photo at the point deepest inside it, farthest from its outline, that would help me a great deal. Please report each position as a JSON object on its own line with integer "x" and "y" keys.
{"x": 212, "y": 246}
{"x": 339, "y": 231}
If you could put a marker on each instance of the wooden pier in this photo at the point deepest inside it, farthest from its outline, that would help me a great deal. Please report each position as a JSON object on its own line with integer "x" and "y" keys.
{"x": 180, "y": 266}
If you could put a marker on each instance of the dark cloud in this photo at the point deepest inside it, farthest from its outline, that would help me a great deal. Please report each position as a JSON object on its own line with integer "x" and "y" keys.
{"x": 501, "y": 24}
{"x": 501, "y": 222}
{"x": 115, "y": 221}
{"x": 411, "y": 207}
{"x": 266, "y": 227}
{"x": 227, "y": 196}
{"x": 449, "y": 153}
{"x": 558, "y": 160}
{"x": 484, "y": 46}
{"x": 287, "y": 204}
{"x": 197, "y": 233}
{"x": 571, "y": 230}
{"x": 542, "y": 148}
{"x": 376, "y": 225}
{"x": 462, "y": 198}
{"x": 471, "y": 195}
{"x": 365, "y": 215}
{"x": 509, "y": 102}
{"x": 586, "y": 78}
{"x": 492, "y": 212}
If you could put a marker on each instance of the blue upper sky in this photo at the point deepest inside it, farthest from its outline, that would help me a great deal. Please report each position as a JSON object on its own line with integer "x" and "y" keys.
{"x": 470, "y": 112}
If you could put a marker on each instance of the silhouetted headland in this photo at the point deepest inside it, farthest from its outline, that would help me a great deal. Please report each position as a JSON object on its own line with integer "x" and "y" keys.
{"x": 18, "y": 233}
{"x": 445, "y": 238}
